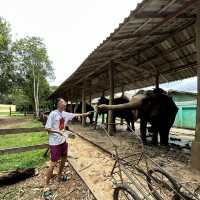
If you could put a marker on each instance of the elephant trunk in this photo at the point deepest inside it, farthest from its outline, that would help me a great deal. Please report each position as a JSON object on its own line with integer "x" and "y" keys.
{"x": 135, "y": 103}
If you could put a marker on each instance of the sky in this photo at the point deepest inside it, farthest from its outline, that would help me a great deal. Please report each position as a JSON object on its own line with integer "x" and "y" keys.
{"x": 71, "y": 29}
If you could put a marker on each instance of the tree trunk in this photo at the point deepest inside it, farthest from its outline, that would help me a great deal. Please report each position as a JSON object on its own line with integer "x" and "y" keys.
{"x": 37, "y": 97}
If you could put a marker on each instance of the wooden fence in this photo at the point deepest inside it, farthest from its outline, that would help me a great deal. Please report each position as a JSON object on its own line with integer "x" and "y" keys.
{"x": 21, "y": 149}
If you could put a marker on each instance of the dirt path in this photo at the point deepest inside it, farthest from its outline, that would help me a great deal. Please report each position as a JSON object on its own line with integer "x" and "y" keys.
{"x": 173, "y": 160}
{"x": 94, "y": 167}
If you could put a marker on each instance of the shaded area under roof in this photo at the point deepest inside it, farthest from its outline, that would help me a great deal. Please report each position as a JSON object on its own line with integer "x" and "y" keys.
{"x": 157, "y": 37}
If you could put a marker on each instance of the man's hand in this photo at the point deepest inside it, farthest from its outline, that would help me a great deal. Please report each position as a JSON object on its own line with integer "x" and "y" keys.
{"x": 86, "y": 114}
{"x": 61, "y": 132}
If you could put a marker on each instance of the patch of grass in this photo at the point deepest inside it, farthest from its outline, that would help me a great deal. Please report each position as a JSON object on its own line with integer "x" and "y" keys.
{"x": 25, "y": 159}
{"x": 22, "y": 160}
{"x": 24, "y": 139}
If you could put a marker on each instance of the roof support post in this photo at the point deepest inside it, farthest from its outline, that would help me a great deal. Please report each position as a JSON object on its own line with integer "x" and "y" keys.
{"x": 83, "y": 106}
{"x": 157, "y": 79}
{"x": 103, "y": 116}
{"x": 90, "y": 99}
{"x": 122, "y": 121}
{"x": 76, "y": 106}
{"x": 110, "y": 112}
{"x": 195, "y": 161}
{"x": 71, "y": 107}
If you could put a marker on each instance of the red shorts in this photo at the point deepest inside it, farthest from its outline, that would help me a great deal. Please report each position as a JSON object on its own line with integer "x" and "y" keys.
{"x": 58, "y": 151}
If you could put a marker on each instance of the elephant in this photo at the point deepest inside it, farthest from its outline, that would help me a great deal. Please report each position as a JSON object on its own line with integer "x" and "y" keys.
{"x": 154, "y": 107}
{"x": 126, "y": 114}
{"x": 78, "y": 109}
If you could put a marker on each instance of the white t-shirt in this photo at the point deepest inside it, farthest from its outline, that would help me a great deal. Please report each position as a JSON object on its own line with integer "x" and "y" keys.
{"x": 53, "y": 122}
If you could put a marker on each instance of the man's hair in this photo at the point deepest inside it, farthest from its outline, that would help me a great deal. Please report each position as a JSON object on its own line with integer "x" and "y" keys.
{"x": 58, "y": 100}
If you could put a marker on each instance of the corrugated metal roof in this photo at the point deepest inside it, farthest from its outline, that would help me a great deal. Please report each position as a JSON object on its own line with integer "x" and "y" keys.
{"x": 158, "y": 36}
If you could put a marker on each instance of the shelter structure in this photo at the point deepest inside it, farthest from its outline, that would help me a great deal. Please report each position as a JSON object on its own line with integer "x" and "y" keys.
{"x": 158, "y": 42}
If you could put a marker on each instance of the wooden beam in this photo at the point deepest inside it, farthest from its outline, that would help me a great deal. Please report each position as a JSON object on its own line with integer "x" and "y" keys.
{"x": 129, "y": 35}
{"x": 22, "y": 149}
{"x": 103, "y": 116}
{"x": 153, "y": 14}
{"x": 157, "y": 80}
{"x": 20, "y": 130}
{"x": 185, "y": 6}
{"x": 110, "y": 112}
{"x": 122, "y": 121}
{"x": 83, "y": 107}
{"x": 127, "y": 65}
{"x": 162, "y": 53}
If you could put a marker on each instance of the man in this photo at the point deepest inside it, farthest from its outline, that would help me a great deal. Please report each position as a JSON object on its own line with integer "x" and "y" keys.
{"x": 55, "y": 125}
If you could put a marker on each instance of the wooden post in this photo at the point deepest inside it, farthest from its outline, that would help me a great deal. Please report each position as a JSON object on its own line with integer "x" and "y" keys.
{"x": 103, "y": 116}
{"x": 157, "y": 80}
{"x": 90, "y": 100}
{"x": 122, "y": 121}
{"x": 76, "y": 105}
{"x": 110, "y": 112}
{"x": 71, "y": 107}
{"x": 10, "y": 111}
{"x": 83, "y": 107}
{"x": 195, "y": 161}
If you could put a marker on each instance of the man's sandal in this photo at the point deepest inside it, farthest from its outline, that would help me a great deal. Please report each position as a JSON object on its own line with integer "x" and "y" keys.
{"x": 47, "y": 194}
{"x": 63, "y": 178}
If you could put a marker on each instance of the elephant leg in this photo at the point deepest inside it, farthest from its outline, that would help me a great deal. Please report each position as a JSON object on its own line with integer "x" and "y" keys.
{"x": 132, "y": 124}
{"x": 91, "y": 121}
{"x": 164, "y": 136}
{"x": 143, "y": 130}
{"x": 107, "y": 121}
{"x": 155, "y": 135}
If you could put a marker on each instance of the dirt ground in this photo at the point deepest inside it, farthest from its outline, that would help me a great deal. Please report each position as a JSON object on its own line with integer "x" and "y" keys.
{"x": 174, "y": 160}
{"x": 94, "y": 167}
{"x": 73, "y": 189}
{"x": 7, "y": 121}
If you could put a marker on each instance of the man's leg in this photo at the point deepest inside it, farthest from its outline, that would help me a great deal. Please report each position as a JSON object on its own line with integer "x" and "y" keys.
{"x": 62, "y": 165}
{"x": 64, "y": 150}
{"x": 50, "y": 172}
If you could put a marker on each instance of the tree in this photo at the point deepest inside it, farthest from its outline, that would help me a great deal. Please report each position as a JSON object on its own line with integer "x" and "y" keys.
{"x": 7, "y": 72}
{"x": 31, "y": 61}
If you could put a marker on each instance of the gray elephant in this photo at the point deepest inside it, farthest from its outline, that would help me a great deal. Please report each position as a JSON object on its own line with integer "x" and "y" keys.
{"x": 155, "y": 107}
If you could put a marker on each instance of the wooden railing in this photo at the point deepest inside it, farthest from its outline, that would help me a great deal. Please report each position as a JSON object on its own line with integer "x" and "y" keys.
{"x": 21, "y": 149}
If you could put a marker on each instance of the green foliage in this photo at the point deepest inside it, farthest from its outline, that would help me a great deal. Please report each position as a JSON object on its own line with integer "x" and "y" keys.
{"x": 30, "y": 53}
{"x": 32, "y": 61}
{"x": 7, "y": 72}
{"x": 25, "y": 69}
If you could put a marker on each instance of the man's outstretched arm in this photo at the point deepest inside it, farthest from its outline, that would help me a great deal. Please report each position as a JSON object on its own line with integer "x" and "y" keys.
{"x": 81, "y": 114}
